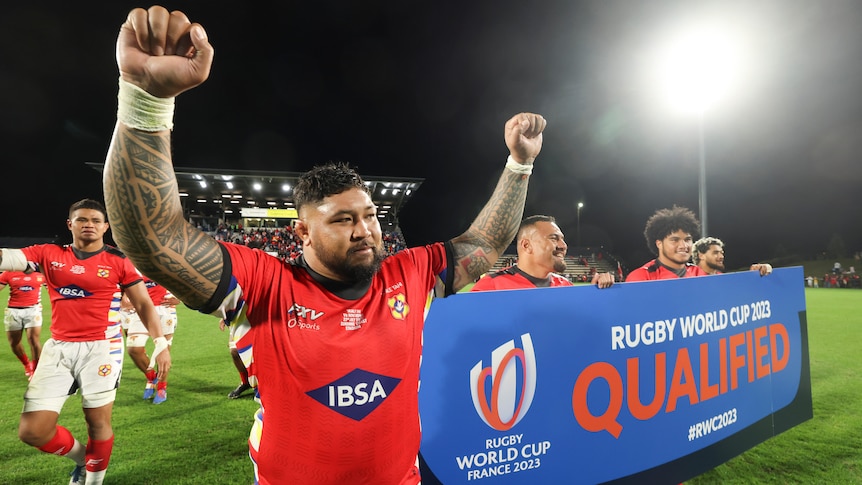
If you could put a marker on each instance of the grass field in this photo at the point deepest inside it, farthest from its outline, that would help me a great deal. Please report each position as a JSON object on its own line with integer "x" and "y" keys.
{"x": 199, "y": 436}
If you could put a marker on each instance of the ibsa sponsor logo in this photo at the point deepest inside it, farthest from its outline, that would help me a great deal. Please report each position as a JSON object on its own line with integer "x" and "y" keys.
{"x": 26, "y": 288}
{"x": 356, "y": 394}
{"x": 503, "y": 392}
{"x": 73, "y": 291}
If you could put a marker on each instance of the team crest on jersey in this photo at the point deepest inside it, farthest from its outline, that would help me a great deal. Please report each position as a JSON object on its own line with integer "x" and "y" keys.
{"x": 104, "y": 369}
{"x": 356, "y": 394}
{"x": 398, "y": 306}
{"x": 73, "y": 291}
{"x": 103, "y": 273}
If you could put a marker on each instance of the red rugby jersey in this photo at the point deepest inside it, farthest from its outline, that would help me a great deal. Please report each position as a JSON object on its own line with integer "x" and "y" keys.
{"x": 513, "y": 278}
{"x": 25, "y": 290}
{"x": 652, "y": 271}
{"x": 156, "y": 291}
{"x": 84, "y": 288}
{"x": 338, "y": 379}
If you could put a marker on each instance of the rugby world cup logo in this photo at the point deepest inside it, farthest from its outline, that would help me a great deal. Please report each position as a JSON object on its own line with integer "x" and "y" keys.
{"x": 502, "y": 392}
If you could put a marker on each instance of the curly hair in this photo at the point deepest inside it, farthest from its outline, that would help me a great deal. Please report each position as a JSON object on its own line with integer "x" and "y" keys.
{"x": 325, "y": 180}
{"x": 667, "y": 221}
{"x": 702, "y": 245}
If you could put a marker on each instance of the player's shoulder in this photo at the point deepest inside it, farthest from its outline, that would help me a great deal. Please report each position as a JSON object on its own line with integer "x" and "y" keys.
{"x": 510, "y": 271}
{"x": 114, "y": 251}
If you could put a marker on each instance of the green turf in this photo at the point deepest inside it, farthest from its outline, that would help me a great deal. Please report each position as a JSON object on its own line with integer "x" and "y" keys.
{"x": 828, "y": 448}
{"x": 199, "y": 436}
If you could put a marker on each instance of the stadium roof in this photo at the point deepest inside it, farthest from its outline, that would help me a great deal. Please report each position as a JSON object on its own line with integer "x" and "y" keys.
{"x": 221, "y": 193}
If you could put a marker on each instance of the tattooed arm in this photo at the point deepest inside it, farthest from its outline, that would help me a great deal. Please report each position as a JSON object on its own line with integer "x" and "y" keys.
{"x": 492, "y": 231}
{"x": 164, "y": 54}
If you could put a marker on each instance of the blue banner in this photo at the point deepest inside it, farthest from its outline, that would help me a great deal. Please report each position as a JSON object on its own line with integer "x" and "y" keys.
{"x": 647, "y": 382}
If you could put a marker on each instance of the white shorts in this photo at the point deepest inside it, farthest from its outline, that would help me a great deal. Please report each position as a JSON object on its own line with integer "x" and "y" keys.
{"x": 237, "y": 331}
{"x": 231, "y": 339}
{"x": 94, "y": 367}
{"x": 21, "y": 318}
{"x": 131, "y": 322}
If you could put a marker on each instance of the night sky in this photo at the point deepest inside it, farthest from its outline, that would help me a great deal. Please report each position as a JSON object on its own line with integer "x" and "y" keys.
{"x": 422, "y": 89}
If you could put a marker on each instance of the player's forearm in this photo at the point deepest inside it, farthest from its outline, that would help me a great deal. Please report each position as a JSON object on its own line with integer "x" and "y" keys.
{"x": 147, "y": 220}
{"x": 151, "y": 321}
{"x": 12, "y": 260}
{"x": 492, "y": 231}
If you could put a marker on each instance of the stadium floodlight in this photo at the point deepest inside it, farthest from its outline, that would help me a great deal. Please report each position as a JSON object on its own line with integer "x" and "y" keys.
{"x": 578, "y": 234}
{"x": 698, "y": 68}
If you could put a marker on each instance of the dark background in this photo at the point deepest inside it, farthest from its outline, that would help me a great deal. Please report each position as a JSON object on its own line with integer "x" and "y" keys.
{"x": 422, "y": 89}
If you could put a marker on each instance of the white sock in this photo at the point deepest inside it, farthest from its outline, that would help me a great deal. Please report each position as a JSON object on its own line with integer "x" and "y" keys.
{"x": 96, "y": 478}
{"x": 77, "y": 453}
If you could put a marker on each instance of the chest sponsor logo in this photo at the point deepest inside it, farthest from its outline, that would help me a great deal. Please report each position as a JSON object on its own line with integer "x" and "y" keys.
{"x": 356, "y": 394}
{"x": 398, "y": 306}
{"x": 303, "y": 318}
{"x": 73, "y": 291}
{"x": 57, "y": 265}
{"x": 503, "y": 391}
{"x": 26, "y": 288}
{"x": 78, "y": 269}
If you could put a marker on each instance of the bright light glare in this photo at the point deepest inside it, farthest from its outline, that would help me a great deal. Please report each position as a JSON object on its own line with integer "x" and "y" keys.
{"x": 697, "y": 69}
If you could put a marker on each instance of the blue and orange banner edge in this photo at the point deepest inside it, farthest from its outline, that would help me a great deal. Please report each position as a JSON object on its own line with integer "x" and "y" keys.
{"x": 790, "y": 286}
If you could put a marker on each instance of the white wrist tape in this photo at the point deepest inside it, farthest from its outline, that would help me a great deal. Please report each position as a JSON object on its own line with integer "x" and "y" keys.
{"x": 12, "y": 260}
{"x": 519, "y": 168}
{"x": 141, "y": 110}
{"x": 161, "y": 344}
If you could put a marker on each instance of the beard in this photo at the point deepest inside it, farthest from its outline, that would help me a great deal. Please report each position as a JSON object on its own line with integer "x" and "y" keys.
{"x": 559, "y": 266}
{"x": 716, "y": 266}
{"x": 351, "y": 271}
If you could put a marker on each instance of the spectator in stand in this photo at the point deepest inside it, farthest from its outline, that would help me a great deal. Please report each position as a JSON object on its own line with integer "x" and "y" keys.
{"x": 24, "y": 314}
{"x": 541, "y": 257}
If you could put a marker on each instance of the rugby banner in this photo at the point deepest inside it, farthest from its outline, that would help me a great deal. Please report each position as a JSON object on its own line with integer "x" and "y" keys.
{"x": 643, "y": 382}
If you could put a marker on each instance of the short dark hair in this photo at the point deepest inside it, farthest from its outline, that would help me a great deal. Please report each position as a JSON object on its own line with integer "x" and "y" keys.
{"x": 531, "y": 221}
{"x": 701, "y": 246}
{"x": 325, "y": 180}
{"x": 667, "y": 221}
{"x": 88, "y": 204}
